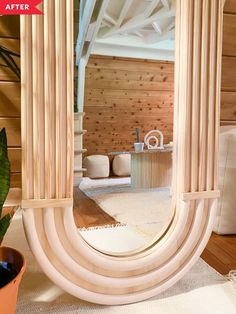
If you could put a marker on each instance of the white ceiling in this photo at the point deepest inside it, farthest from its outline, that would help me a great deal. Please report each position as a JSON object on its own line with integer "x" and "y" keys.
{"x": 137, "y": 28}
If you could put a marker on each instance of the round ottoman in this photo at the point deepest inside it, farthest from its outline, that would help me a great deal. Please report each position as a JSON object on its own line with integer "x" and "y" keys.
{"x": 121, "y": 165}
{"x": 97, "y": 166}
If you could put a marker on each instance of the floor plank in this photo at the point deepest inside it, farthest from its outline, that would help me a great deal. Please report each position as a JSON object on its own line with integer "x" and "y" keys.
{"x": 87, "y": 213}
{"x": 220, "y": 253}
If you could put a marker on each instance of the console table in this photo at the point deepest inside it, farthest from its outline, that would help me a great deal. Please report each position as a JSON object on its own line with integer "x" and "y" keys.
{"x": 151, "y": 168}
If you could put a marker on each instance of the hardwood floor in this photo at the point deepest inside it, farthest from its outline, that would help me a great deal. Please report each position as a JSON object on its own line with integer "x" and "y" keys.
{"x": 87, "y": 213}
{"x": 220, "y": 252}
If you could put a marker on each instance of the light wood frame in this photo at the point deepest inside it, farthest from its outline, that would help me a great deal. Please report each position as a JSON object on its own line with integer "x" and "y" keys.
{"x": 47, "y": 165}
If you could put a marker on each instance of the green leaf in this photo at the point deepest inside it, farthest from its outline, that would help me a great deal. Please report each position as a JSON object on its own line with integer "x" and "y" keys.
{"x": 4, "y": 224}
{"x": 4, "y": 169}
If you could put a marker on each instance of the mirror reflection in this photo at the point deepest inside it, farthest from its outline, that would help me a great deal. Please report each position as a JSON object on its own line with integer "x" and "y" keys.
{"x": 124, "y": 126}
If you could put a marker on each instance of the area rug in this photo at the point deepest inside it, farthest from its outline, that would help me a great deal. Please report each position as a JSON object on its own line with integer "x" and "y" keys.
{"x": 146, "y": 210}
{"x": 201, "y": 291}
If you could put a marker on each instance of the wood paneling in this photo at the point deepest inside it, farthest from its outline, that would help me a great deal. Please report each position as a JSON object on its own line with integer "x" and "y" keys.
{"x": 13, "y": 129}
{"x": 10, "y": 26}
{"x": 228, "y": 106}
{"x": 230, "y": 6}
{"x": 14, "y": 45}
{"x": 228, "y": 84}
{"x": 10, "y": 96}
{"x": 10, "y": 99}
{"x": 122, "y": 94}
{"x": 14, "y": 155}
{"x": 15, "y": 180}
{"x": 228, "y": 74}
{"x": 229, "y": 38}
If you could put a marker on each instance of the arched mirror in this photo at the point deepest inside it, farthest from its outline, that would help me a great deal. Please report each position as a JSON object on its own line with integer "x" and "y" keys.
{"x": 124, "y": 126}
{"x": 161, "y": 236}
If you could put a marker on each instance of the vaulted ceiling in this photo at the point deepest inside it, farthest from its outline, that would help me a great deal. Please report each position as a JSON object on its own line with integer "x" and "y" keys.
{"x": 127, "y": 28}
{"x": 137, "y": 28}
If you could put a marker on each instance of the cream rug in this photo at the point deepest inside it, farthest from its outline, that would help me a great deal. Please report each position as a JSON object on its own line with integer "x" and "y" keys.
{"x": 201, "y": 291}
{"x": 146, "y": 211}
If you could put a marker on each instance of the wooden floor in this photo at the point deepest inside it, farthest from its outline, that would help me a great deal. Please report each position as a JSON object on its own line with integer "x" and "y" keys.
{"x": 220, "y": 252}
{"x": 87, "y": 213}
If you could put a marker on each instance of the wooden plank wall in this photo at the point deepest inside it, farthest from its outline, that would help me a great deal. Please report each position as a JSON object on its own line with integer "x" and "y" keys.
{"x": 122, "y": 94}
{"x": 228, "y": 88}
{"x": 10, "y": 96}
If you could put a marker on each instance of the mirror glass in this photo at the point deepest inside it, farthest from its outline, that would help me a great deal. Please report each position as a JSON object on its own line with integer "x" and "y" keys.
{"x": 124, "y": 127}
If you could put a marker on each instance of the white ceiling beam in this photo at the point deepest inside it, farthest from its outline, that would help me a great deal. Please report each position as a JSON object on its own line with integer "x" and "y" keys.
{"x": 88, "y": 34}
{"x": 157, "y": 27}
{"x": 166, "y": 4}
{"x": 171, "y": 25}
{"x": 130, "y": 26}
{"x": 148, "y": 11}
{"x": 110, "y": 19}
{"x": 155, "y": 38}
{"x": 139, "y": 34}
{"x": 124, "y": 12}
{"x": 86, "y": 10}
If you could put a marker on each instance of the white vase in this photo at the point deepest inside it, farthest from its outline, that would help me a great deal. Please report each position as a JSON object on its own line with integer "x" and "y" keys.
{"x": 138, "y": 147}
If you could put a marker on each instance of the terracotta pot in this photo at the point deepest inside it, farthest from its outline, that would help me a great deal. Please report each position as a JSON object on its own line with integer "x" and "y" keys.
{"x": 8, "y": 294}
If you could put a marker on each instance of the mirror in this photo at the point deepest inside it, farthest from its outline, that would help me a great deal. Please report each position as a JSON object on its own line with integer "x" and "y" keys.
{"x": 124, "y": 128}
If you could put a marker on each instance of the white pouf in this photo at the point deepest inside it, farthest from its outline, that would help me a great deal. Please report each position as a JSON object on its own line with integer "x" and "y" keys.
{"x": 97, "y": 166}
{"x": 121, "y": 165}
{"x": 225, "y": 222}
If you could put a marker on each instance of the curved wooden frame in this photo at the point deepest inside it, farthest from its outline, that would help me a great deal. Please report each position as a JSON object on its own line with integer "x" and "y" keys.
{"x": 47, "y": 165}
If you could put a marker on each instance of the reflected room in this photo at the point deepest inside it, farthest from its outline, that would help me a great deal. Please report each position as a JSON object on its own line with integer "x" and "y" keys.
{"x": 124, "y": 128}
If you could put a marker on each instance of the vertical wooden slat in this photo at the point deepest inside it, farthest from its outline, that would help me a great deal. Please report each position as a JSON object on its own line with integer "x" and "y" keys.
{"x": 38, "y": 106}
{"x": 47, "y": 102}
{"x": 212, "y": 94}
{"x": 60, "y": 93}
{"x": 204, "y": 94}
{"x": 218, "y": 87}
{"x": 195, "y": 94}
{"x": 70, "y": 97}
{"x": 49, "y": 78}
{"x": 26, "y": 107}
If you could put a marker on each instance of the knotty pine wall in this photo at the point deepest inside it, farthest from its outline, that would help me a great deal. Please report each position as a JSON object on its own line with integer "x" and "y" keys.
{"x": 10, "y": 96}
{"x": 122, "y": 94}
{"x": 228, "y": 87}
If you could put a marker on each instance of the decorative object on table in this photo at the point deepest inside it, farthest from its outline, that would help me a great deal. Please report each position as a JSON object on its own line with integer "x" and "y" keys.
{"x": 153, "y": 136}
{"x": 12, "y": 263}
{"x": 138, "y": 146}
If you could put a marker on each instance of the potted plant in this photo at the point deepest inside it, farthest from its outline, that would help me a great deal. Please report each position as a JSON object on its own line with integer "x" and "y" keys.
{"x": 12, "y": 263}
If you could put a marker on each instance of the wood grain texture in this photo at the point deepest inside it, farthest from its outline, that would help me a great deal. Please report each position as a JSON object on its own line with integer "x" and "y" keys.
{"x": 230, "y": 6}
{"x": 220, "y": 253}
{"x": 14, "y": 45}
{"x": 13, "y": 130}
{"x": 228, "y": 84}
{"x": 10, "y": 95}
{"x": 10, "y": 26}
{"x": 151, "y": 170}
{"x": 229, "y": 38}
{"x": 10, "y": 99}
{"x": 228, "y": 106}
{"x": 87, "y": 213}
{"x": 14, "y": 155}
{"x": 122, "y": 94}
